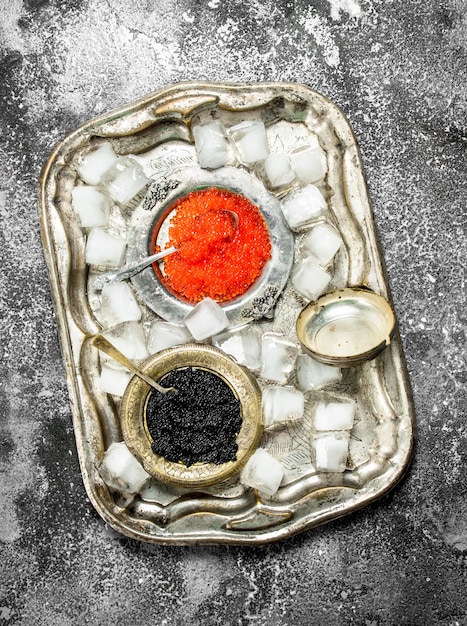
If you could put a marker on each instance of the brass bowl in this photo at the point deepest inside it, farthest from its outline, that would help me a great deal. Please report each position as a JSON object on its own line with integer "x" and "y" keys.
{"x": 346, "y": 327}
{"x": 133, "y": 414}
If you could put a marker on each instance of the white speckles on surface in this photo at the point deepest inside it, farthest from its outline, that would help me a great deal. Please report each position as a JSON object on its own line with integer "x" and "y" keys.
{"x": 10, "y": 35}
{"x": 318, "y": 28}
{"x": 398, "y": 70}
{"x": 202, "y": 575}
{"x": 346, "y": 8}
{"x": 102, "y": 53}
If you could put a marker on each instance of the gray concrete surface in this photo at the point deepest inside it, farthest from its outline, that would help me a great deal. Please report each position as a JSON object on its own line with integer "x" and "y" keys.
{"x": 398, "y": 71}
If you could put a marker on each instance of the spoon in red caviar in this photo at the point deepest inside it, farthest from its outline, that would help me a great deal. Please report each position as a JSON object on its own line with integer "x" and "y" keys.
{"x": 131, "y": 269}
{"x": 103, "y": 344}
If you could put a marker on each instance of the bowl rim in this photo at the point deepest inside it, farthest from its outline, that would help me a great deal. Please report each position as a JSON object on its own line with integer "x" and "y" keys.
{"x": 311, "y": 312}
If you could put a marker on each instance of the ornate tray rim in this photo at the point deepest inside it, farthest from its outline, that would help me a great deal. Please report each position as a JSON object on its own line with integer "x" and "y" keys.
{"x": 74, "y": 340}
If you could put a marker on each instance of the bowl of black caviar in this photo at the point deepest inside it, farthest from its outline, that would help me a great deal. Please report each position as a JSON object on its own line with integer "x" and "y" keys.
{"x": 203, "y": 433}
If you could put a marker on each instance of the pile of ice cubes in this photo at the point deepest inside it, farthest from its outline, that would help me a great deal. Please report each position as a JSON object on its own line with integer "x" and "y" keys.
{"x": 288, "y": 377}
{"x": 274, "y": 357}
{"x": 109, "y": 181}
{"x": 299, "y": 173}
{"x": 246, "y": 143}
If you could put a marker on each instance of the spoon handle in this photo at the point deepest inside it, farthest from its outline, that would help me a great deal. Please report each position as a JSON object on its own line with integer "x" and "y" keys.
{"x": 103, "y": 344}
{"x": 132, "y": 268}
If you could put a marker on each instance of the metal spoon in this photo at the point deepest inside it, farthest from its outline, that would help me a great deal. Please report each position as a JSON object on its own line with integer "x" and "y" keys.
{"x": 131, "y": 269}
{"x": 103, "y": 344}
{"x": 137, "y": 266}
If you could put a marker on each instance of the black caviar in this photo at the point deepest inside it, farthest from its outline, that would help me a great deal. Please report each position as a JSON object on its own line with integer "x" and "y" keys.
{"x": 199, "y": 424}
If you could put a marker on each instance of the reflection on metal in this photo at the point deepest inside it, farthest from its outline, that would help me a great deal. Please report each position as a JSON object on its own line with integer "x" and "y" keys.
{"x": 157, "y": 131}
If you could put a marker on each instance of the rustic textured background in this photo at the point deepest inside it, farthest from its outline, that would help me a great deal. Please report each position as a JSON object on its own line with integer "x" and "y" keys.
{"x": 398, "y": 71}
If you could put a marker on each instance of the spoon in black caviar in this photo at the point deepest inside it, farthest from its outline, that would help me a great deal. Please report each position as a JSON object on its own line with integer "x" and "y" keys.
{"x": 103, "y": 344}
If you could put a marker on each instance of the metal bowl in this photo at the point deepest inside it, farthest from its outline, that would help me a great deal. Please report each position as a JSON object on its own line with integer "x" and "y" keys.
{"x": 133, "y": 414}
{"x": 346, "y": 327}
{"x": 260, "y": 298}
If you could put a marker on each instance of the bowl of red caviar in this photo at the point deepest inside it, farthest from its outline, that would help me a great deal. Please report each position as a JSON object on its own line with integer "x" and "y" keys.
{"x": 232, "y": 245}
{"x": 205, "y": 432}
{"x": 222, "y": 242}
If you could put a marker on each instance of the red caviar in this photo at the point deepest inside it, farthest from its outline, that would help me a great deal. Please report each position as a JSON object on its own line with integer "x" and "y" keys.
{"x": 222, "y": 245}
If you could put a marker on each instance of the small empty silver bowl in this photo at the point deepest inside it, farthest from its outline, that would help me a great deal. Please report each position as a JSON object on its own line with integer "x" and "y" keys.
{"x": 346, "y": 327}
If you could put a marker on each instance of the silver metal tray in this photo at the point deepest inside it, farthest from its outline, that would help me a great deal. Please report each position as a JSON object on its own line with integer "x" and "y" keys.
{"x": 157, "y": 131}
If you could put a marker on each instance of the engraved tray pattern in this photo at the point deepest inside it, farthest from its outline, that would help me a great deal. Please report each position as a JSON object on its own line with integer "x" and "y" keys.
{"x": 157, "y": 131}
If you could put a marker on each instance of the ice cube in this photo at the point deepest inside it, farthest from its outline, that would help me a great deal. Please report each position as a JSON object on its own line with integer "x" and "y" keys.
{"x": 250, "y": 139}
{"x": 278, "y": 170}
{"x": 211, "y": 145}
{"x": 95, "y": 164}
{"x": 91, "y": 206}
{"x": 309, "y": 279}
{"x": 312, "y": 374}
{"x": 124, "y": 180}
{"x": 114, "y": 378}
{"x": 129, "y": 339}
{"x": 322, "y": 242}
{"x": 164, "y": 335}
{"x": 309, "y": 163}
{"x": 206, "y": 319}
{"x": 262, "y": 472}
{"x": 303, "y": 206}
{"x": 278, "y": 357}
{"x": 121, "y": 471}
{"x": 104, "y": 249}
{"x": 331, "y": 452}
{"x": 118, "y": 304}
{"x": 334, "y": 415}
{"x": 281, "y": 404}
{"x": 242, "y": 344}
